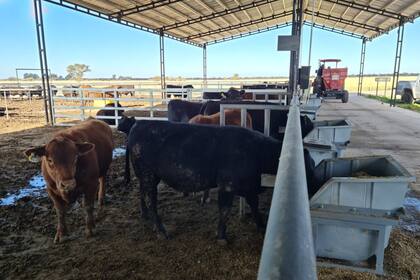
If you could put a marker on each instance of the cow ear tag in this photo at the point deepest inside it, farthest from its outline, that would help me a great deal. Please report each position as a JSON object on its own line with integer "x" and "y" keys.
{"x": 35, "y": 154}
{"x": 34, "y": 158}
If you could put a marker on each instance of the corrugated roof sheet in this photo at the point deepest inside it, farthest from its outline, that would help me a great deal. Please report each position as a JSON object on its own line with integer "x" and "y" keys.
{"x": 210, "y": 21}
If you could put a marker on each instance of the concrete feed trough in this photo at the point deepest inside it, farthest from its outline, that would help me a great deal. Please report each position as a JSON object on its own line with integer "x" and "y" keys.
{"x": 336, "y": 132}
{"x": 353, "y": 212}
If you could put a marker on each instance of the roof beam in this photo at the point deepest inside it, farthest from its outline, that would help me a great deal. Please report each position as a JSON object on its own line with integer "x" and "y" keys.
{"x": 240, "y": 25}
{"x": 345, "y": 12}
{"x": 218, "y": 14}
{"x": 172, "y": 9}
{"x": 141, "y": 8}
{"x": 345, "y": 21}
{"x": 242, "y": 35}
{"x": 366, "y": 8}
{"x": 334, "y": 30}
{"x": 226, "y": 8}
{"x": 361, "y": 11}
{"x": 211, "y": 10}
{"x": 194, "y": 11}
{"x": 386, "y": 6}
{"x": 95, "y": 13}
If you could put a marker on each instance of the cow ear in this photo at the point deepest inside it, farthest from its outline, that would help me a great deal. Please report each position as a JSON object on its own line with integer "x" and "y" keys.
{"x": 85, "y": 148}
{"x": 35, "y": 154}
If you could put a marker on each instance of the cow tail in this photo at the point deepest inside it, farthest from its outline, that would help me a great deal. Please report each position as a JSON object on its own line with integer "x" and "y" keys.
{"x": 127, "y": 165}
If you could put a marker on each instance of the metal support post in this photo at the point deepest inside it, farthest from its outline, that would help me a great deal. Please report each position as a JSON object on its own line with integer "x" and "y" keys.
{"x": 362, "y": 67}
{"x": 294, "y": 55}
{"x": 43, "y": 62}
{"x": 396, "y": 74}
{"x": 204, "y": 65}
{"x": 162, "y": 62}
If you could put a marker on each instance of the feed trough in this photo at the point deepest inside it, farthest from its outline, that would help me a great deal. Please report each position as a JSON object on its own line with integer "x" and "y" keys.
{"x": 358, "y": 202}
{"x": 320, "y": 151}
{"x": 310, "y": 113}
{"x": 336, "y": 132}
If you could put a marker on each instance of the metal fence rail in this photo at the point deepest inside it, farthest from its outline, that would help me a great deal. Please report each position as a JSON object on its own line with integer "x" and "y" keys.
{"x": 288, "y": 251}
{"x": 79, "y": 103}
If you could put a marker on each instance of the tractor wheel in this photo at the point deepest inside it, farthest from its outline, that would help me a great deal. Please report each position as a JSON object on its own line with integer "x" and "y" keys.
{"x": 345, "y": 97}
{"x": 407, "y": 97}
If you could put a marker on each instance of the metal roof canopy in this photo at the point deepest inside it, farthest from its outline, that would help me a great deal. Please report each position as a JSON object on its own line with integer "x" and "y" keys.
{"x": 200, "y": 22}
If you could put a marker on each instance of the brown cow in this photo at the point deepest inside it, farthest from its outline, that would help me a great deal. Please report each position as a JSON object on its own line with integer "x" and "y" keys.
{"x": 232, "y": 117}
{"x": 74, "y": 163}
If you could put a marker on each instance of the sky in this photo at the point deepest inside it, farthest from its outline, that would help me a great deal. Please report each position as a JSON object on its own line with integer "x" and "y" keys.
{"x": 109, "y": 48}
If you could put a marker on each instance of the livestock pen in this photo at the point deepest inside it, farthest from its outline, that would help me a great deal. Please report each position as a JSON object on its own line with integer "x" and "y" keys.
{"x": 288, "y": 250}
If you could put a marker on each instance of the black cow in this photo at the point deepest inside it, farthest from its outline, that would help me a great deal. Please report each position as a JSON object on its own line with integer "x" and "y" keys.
{"x": 231, "y": 94}
{"x": 125, "y": 126}
{"x": 192, "y": 158}
{"x": 109, "y": 113}
{"x": 278, "y": 118}
{"x": 182, "y": 111}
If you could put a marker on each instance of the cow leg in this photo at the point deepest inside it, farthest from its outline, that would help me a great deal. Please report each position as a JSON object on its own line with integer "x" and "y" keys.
{"x": 60, "y": 209}
{"x": 252, "y": 200}
{"x": 149, "y": 182}
{"x": 206, "y": 197}
{"x": 143, "y": 207}
{"x": 225, "y": 201}
{"x": 152, "y": 205}
{"x": 88, "y": 202}
{"x": 101, "y": 193}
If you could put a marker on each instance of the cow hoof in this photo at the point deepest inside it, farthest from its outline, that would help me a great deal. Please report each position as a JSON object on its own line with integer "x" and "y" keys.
{"x": 88, "y": 233}
{"x": 222, "y": 242}
{"x": 58, "y": 238}
{"x": 163, "y": 236}
{"x": 205, "y": 201}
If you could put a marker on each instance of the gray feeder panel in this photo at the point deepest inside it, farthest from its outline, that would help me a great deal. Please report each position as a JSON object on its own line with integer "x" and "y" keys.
{"x": 352, "y": 217}
{"x": 320, "y": 151}
{"x": 314, "y": 101}
{"x": 310, "y": 114}
{"x": 331, "y": 132}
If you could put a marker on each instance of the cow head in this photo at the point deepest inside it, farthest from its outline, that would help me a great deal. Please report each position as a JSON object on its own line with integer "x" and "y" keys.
{"x": 233, "y": 94}
{"x": 60, "y": 158}
{"x": 126, "y": 123}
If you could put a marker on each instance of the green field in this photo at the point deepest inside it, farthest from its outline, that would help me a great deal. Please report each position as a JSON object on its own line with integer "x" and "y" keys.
{"x": 412, "y": 107}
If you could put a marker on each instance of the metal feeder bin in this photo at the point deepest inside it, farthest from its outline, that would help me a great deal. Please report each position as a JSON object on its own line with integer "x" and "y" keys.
{"x": 336, "y": 132}
{"x": 311, "y": 114}
{"x": 314, "y": 101}
{"x": 320, "y": 151}
{"x": 353, "y": 212}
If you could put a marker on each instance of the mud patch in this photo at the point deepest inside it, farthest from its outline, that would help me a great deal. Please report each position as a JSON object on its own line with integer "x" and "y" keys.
{"x": 411, "y": 220}
{"x": 35, "y": 188}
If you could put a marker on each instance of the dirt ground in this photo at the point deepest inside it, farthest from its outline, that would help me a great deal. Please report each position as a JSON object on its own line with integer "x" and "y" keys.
{"x": 124, "y": 247}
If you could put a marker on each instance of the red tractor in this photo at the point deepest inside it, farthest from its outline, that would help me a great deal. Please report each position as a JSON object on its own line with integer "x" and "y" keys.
{"x": 329, "y": 82}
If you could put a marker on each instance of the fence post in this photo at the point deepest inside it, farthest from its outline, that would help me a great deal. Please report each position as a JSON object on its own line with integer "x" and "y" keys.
{"x": 115, "y": 106}
{"x": 82, "y": 104}
{"x": 151, "y": 103}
